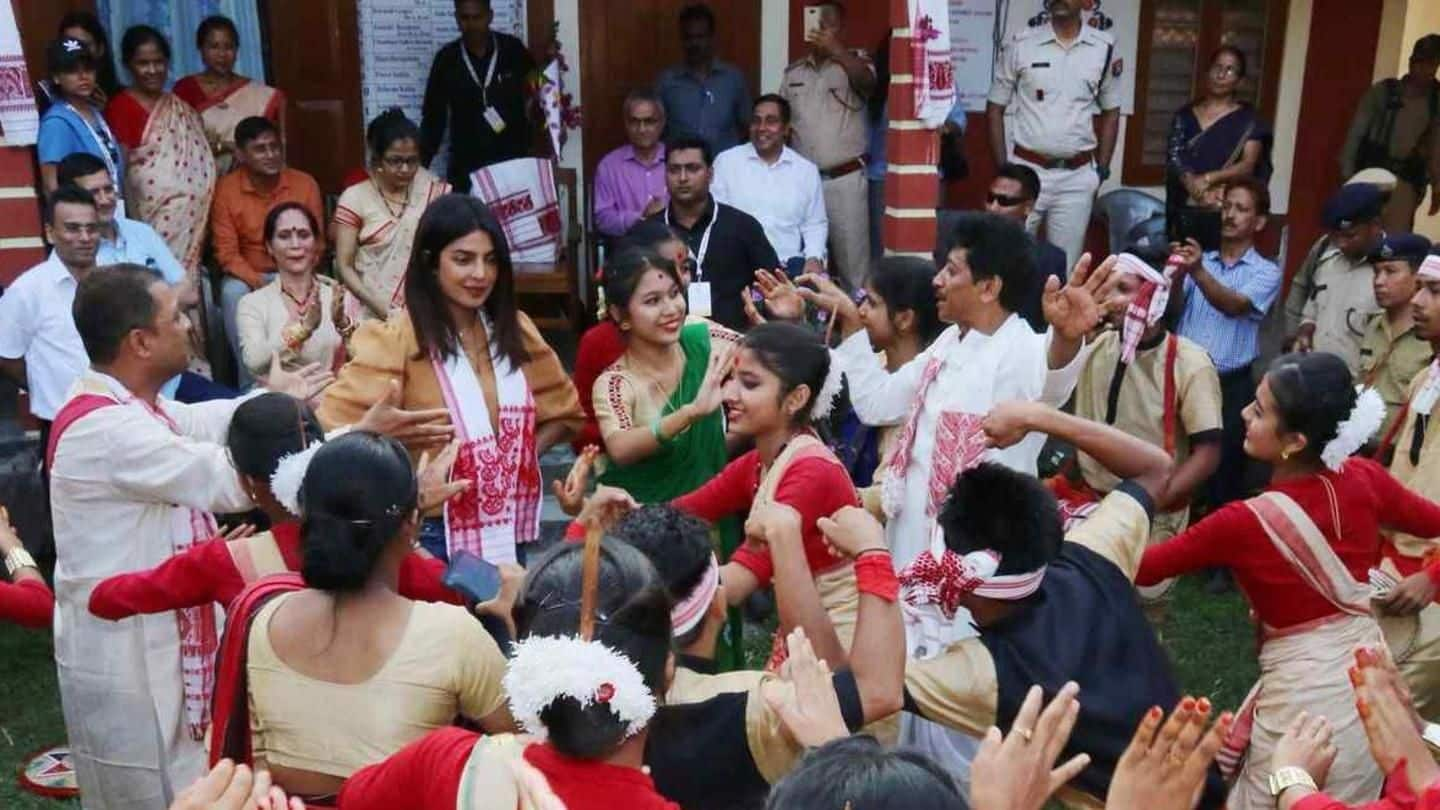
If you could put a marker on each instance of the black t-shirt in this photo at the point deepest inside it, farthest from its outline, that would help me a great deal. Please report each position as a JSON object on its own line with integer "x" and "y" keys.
{"x": 736, "y": 249}
{"x": 453, "y": 98}
{"x": 699, "y": 753}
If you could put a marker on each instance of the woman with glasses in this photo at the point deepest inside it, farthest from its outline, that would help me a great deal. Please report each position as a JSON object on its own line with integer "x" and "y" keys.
{"x": 1213, "y": 140}
{"x": 1304, "y": 553}
{"x": 375, "y": 220}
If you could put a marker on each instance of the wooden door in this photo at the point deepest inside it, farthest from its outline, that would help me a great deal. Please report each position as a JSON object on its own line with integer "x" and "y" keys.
{"x": 38, "y": 21}
{"x": 314, "y": 55}
{"x": 626, "y": 47}
{"x": 1332, "y": 88}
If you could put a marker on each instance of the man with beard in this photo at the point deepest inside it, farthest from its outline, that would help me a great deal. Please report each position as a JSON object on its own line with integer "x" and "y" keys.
{"x": 1059, "y": 77}
{"x": 773, "y": 183}
{"x": 727, "y": 243}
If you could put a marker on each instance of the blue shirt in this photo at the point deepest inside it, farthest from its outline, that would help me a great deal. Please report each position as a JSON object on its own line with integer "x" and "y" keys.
{"x": 1233, "y": 342}
{"x": 138, "y": 243}
{"x": 63, "y": 132}
{"x": 875, "y": 159}
{"x": 717, "y": 108}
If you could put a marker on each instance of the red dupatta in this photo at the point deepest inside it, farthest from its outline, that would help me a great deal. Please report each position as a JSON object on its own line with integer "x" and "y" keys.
{"x": 230, "y": 712}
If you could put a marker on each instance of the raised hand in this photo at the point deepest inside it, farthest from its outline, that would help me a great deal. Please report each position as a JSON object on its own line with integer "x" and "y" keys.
{"x": 804, "y": 695}
{"x": 433, "y": 477}
{"x": 305, "y": 383}
{"x": 747, "y": 303}
{"x": 419, "y": 429}
{"x": 1016, "y": 771}
{"x": 1410, "y": 596}
{"x": 605, "y": 507}
{"x": 502, "y": 607}
{"x": 1390, "y": 720}
{"x": 852, "y": 531}
{"x": 1075, "y": 308}
{"x": 1308, "y": 744}
{"x": 1164, "y": 767}
{"x": 708, "y": 398}
{"x": 238, "y": 533}
{"x": 571, "y": 491}
{"x": 828, "y": 296}
{"x": 782, "y": 298}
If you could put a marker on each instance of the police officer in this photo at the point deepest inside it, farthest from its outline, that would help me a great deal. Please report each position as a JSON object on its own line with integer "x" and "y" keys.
{"x": 1059, "y": 76}
{"x": 1332, "y": 295}
{"x": 827, "y": 91}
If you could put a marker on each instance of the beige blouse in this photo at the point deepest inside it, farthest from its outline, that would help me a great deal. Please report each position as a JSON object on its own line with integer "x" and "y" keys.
{"x": 262, "y": 314}
{"x": 445, "y": 665}
{"x": 624, "y": 399}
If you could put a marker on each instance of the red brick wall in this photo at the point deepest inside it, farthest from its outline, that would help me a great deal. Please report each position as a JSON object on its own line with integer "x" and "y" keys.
{"x": 20, "y": 231}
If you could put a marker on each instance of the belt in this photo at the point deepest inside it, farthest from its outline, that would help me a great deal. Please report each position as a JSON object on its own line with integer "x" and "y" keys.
{"x": 1047, "y": 162}
{"x": 850, "y": 166}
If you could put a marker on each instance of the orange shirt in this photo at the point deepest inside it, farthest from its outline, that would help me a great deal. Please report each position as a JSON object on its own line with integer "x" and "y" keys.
{"x": 237, "y": 220}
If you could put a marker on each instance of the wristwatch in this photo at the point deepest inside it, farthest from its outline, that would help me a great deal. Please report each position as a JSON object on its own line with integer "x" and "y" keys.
{"x": 1282, "y": 779}
{"x": 1103, "y": 172}
{"x": 17, "y": 559}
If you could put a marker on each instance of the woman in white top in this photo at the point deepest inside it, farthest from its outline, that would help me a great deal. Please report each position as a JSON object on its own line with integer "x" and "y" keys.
{"x": 293, "y": 316}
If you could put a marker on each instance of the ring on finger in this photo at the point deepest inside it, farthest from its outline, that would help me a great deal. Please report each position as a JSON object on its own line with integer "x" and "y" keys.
{"x": 1025, "y": 733}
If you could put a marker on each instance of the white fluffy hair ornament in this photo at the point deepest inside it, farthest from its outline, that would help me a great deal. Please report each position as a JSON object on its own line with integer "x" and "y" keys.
{"x": 1364, "y": 419}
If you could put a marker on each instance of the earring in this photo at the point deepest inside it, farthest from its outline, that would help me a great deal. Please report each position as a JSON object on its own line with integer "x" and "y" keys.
{"x": 624, "y": 326}
{"x": 1285, "y": 454}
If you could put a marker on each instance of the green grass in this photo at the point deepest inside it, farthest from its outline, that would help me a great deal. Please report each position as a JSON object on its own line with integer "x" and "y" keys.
{"x": 1209, "y": 638}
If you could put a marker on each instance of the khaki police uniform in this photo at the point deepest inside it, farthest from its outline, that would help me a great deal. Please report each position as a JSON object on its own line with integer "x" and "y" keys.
{"x": 830, "y": 130}
{"x": 1339, "y": 299}
{"x": 1052, "y": 92}
{"x": 1389, "y": 362}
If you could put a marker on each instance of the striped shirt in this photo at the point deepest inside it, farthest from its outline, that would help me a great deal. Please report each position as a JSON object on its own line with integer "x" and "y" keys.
{"x": 1232, "y": 342}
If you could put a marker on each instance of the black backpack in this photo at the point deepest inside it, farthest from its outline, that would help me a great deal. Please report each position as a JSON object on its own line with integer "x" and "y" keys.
{"x": 1374, "y": 149}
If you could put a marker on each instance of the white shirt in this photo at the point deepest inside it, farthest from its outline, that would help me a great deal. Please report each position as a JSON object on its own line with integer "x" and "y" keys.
{"x": 979, "y": 371}
{"x": 37, "y": 324}
{"x": 118, "y": 478}
{"x": 1056, "y": 89}
{"x": 785, "y": 196}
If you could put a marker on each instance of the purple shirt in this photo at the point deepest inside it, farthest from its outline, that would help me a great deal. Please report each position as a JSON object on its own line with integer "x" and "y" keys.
{"x": 624, "y": 185}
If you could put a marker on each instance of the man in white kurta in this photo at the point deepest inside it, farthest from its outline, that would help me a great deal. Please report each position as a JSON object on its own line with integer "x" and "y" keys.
{"x": 123, "y": 486}
{"x": 988, "y": 355}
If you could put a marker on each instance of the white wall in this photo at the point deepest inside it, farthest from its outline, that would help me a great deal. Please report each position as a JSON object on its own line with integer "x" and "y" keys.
{"x": 774, "y": 43}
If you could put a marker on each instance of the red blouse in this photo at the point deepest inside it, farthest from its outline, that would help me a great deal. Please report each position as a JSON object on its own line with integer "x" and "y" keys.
{"x": 425, "y": 775}
{"x": 28, "y": 603}
{"x": 1369, "y": 500}
{"x": 814, "y": 487}
{"x": 600, "y": 346}
{"x": 127, "y": 119}
{"x": 207, "y": 573}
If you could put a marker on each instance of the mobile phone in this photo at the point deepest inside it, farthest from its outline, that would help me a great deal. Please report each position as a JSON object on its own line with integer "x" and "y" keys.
{"x": 812, "y": 20}
{"x": 472, "y": 577}
{"x": 1200, "y": 224}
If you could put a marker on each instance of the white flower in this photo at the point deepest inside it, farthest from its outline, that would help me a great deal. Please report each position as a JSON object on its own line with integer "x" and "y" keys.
{"x": 1358, "y": 427}
{"x": 545, "y": 668}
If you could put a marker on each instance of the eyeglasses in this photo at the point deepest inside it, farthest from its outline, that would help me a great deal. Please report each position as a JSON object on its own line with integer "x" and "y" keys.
{"x": 396, "y": 163}
{"x": 1223, "y": 71}
{"x": 1003, "y": 200}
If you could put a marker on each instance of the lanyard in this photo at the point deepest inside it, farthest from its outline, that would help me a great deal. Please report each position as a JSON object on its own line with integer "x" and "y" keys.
{"x": 105, "y": 141}
{"x": 704, "y": 238}
{"x": 489, "y": 74}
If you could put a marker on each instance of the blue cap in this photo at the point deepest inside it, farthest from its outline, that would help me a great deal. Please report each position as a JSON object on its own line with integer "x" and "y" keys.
{"x": 1410, "y": 247}
{"x": 1353, "y": 203}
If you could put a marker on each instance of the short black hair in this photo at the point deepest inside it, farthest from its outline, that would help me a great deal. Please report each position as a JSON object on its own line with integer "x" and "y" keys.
{"x": 1024, "y": 175}
{"x": 690, "y": 141}
{"x": 137, "y": 36}
{"x": 253, "y": 127}
{"x": 485, "y": 3}
{"x": 776, "y": 99}
{"x": 216, "y": 22}
{"x": 265, "y": 429}
{"x": 387, "y": 128}
{"x": 995, "y": 247}
{"x": 76, "y": 165}
{"x": 68, "y": 194}
{"x": 1259, "y": 192}
{"x": 859, "y": 772}
{"x": 110, "y": 303}
{"x": 697, "y": 11}
{"x": 676, "y": 543}
{"x": 991, "y": 506}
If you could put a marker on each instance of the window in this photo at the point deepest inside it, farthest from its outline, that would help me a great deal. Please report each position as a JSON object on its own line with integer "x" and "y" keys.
{"x": 1172, "y": 62}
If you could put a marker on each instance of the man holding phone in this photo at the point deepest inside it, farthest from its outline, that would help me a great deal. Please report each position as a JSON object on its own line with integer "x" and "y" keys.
{"x": 1227, "y": 293}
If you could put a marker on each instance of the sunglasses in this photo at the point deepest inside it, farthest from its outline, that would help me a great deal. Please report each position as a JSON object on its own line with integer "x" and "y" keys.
{"x": 1003, "y": 199}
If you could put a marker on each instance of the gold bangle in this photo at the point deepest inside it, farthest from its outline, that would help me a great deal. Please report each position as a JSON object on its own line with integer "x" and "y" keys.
{"x": 17, "y": 559}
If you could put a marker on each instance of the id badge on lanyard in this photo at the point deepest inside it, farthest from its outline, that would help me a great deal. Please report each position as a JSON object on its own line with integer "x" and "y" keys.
{"x": 492, "y": 116}
{"x": 698, "y": 293}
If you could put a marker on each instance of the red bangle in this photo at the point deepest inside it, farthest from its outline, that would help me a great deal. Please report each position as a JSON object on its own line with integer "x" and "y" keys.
{"x": 875, "y": 575}
{"x": 575, "y": 532}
